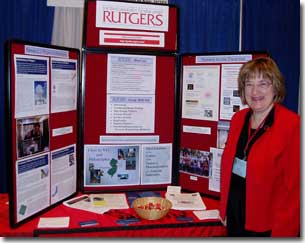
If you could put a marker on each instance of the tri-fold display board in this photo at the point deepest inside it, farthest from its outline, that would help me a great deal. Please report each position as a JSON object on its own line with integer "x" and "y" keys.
{"x": 209, "y": 98}
{"x": 42, "y": 100}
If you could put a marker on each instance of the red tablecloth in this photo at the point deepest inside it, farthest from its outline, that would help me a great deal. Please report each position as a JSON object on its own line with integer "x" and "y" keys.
{"x": 108, "y": 226}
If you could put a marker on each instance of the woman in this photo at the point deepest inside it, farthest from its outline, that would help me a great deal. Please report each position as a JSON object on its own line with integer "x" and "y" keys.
{"x": 260, "y": 168}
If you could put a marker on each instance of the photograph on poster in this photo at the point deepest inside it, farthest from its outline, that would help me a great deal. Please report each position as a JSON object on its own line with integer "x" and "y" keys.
{"x": 222, "y": 133}
{"x": 40, "y": 91}
{"x": 112, "y": 165}
{"x": 32, "y": 135}
{"x": 194, "y": 161}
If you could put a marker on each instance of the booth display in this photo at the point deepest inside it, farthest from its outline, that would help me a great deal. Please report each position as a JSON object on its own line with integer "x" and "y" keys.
{"x": 209, "y": 98}
{"x": 125, "y": 126}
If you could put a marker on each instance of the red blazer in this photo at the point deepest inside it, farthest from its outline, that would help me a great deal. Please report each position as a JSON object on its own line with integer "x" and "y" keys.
{"x": 273, "y": 174}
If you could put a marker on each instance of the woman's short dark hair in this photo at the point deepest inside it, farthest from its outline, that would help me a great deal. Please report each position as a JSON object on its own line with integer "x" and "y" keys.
{"x": 266, "y": 67}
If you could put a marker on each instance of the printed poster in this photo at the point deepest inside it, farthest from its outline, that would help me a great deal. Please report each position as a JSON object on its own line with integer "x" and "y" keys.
{"x": 110, "y": 165}
{"x": 200, "y": 92}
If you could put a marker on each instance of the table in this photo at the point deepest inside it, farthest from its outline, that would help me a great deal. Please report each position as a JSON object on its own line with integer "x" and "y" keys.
{"x": 167, "y": 227}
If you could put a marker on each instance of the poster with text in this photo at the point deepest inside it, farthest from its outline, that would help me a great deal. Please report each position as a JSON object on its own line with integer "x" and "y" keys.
{"x": 200, "y": 92}
{"x": 32, "y": 185}
{"x": 157, "y": 164}
{"x": 130, "y": 114}
{"x": 230, "y": 101}
{"x": 63, "y": 173}
{"x": 214, "y": 179}
{"x": 131, "y": 74}
{"x": 64, "y": 85}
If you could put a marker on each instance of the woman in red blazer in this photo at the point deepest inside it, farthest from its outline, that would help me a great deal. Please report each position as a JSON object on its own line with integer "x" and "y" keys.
{"x": 260, "y": 167}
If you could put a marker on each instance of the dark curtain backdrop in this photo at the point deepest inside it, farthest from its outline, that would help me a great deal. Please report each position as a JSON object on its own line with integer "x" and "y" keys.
{"x": 274, "y": 25}
{"x": 29, "y": 20}
{"x": 208, "y": 25}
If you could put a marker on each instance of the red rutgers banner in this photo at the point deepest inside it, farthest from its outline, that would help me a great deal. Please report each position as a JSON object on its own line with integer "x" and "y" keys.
{"x": 130, "y": 26}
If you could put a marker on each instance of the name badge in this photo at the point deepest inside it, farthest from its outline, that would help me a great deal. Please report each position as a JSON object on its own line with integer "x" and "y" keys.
{"x": 239, "y": 167}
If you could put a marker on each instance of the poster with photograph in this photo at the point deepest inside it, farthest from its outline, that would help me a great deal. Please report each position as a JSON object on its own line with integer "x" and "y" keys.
{"x": 32, "y": 85}
{"x": 195, "y": 161}
{"x": 111, "y": 165}
{"x": 32, "y": 135}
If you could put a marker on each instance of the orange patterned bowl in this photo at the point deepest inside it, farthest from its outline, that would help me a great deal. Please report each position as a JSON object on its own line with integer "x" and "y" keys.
{"x": 151, "y": 208}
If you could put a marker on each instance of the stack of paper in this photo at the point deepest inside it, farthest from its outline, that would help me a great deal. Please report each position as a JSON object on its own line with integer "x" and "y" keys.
{"x": 53, "y": 222}
{"x": 186, "y": 201}
{"x": 207, "y": 214}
